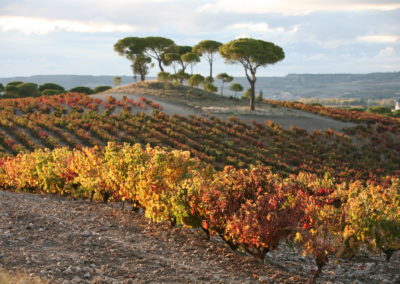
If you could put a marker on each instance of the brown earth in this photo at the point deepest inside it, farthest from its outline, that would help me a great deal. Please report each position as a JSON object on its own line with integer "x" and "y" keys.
{"x": 76, "y": 241}
{"x": 194, "y": 101}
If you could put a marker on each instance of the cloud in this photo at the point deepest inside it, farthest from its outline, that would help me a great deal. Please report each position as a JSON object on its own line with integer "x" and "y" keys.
{"x": 387, "y": 52}
{"x": 262, "y": 27}
{"x": 378, "y": 38}
{"x": 262, "y": 30}
{"x": 295, "y": 6}
{"x": 43, "y": 26}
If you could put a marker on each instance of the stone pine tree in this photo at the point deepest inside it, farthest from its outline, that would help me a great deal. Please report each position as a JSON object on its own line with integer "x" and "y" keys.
{"x": 236, "y": 87}
{"x": 173, "y": 56}
{"x": 133, "y": 48}
{"x": 155, "y": 47}
{"x": 251, "y": 54}
{"x": 190, "y": 58}
{"x": 140, "y": 51}
{"x": 209, "y": 50}
{"x": 225, "y": 78}
{"x": 141, "y": 66}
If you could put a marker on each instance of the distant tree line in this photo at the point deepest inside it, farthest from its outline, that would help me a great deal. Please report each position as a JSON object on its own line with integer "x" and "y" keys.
{"x": 18, "y": 89}
{"x": 248, "y": 52}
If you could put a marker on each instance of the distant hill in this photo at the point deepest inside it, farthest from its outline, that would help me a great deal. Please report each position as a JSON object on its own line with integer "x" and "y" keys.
{"x": 290, "y": 87}
{"x": 70, "y": 81}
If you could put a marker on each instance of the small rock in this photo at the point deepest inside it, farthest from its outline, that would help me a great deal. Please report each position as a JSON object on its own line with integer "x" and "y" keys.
{"x": 68, "y": 270}
{"x": 56, "y": 270}
{"x": 76, "y": 280}
{"x": 86, "y": 275}
{"x": 43, "y": 272}
{"x": 264, "y": 279}
{"x": 369, "y": 266}
{"x": 86, "y": 233}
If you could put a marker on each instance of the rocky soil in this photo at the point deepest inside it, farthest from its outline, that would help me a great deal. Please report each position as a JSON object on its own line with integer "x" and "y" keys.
{"x": 76, "y": 241}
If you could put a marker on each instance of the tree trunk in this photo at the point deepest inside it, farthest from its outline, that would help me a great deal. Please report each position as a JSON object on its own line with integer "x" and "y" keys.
{"x": 222, "y": 88}
{"x": 320, "y": 265}
{"x": 252, "y": 80}
{"x": 253, "y": 94}
{"x": 142, "y": 76}
{"x": 160, "y": 65}
{"x": 388, "y": 253}
{"x": 210, "y": 79}
{"x": 183, "y": 67}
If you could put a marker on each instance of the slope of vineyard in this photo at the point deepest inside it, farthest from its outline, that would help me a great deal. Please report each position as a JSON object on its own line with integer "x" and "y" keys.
{"x": 255, "y": 184}
{"x": 75, "y": 120}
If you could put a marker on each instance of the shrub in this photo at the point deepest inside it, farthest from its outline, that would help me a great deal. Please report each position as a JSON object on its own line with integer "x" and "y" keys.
{"x": 14, "y": 83}
{"x": 236, "y": 87}
{"x": 100, "y": 89}
{"x": 49, "y": 92}
{"x": 210, "y": 88}
{"x": 373, "y": 216}
{"x": 246, "y": 94}
{"x": 51, "y": 86}
{"x": 396, "y": 113}
{"x": 82, "y": 89}
{"x": 11, "y": 91}
{"x": 195, "y": 80}
{"x": 28, "y": 90}
{"x": 251, "y": 208}
{"x": 380, "y": 110}
{"x": 163, "y": 76}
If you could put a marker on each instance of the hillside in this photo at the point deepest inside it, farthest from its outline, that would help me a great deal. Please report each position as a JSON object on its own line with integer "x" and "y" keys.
{"x": 216, "y": 129}
{"x": 290, "y": 87}
{"x": 125, "y": 146}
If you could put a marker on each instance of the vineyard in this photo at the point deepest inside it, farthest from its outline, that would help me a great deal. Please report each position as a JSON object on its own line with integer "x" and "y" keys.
{"x": 255, "y": 185}
{"x": 76, "y": 121}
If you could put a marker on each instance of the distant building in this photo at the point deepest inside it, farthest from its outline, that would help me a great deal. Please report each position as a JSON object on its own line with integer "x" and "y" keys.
{"x": 397, "y": 106}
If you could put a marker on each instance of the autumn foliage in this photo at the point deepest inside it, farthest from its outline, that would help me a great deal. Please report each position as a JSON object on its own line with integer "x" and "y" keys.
{"x": 250, "y": 209}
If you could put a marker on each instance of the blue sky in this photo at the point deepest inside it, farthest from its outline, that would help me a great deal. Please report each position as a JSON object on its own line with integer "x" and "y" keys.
{"x": 77, "y": 36}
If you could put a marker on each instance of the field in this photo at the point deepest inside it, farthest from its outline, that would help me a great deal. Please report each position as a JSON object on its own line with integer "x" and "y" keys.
{"x": 196, "y": 160}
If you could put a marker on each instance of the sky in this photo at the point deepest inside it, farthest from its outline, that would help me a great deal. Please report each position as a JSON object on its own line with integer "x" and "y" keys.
{"x": 318, "y": 36}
